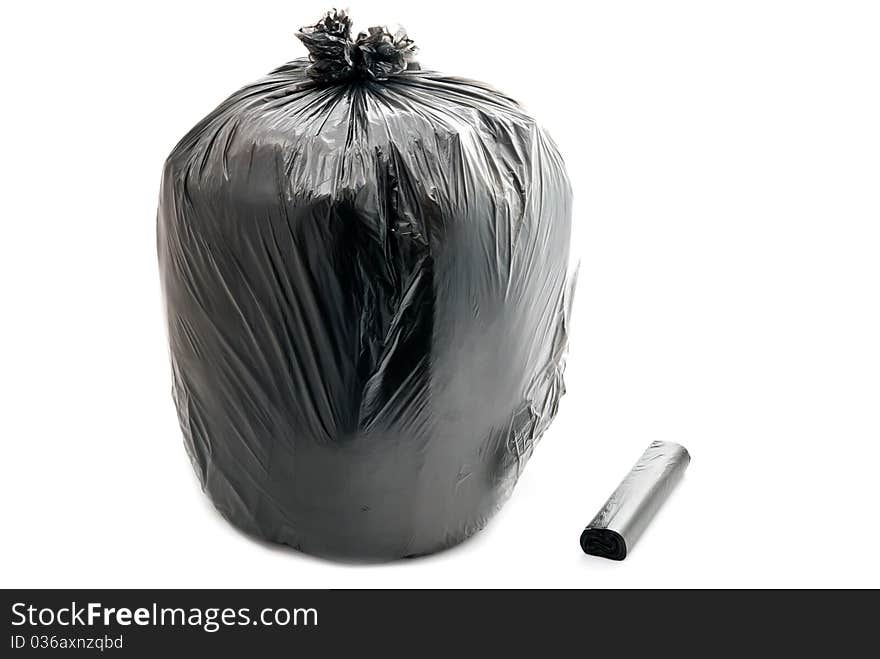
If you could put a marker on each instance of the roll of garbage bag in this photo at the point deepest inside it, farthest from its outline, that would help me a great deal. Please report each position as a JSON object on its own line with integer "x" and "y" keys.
{"x": 619, "y": 524}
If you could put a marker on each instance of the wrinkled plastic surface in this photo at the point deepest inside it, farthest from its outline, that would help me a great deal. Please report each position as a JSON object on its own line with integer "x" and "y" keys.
{"x": 364, "y": 268}
{"x": 619, "y": 524}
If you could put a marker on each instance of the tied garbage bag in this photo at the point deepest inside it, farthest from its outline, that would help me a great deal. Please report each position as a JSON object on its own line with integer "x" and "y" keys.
{"x": 364, "y": 268}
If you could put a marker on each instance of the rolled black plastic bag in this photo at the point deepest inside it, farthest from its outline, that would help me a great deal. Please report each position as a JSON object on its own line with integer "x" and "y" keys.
{"x": 364, "y": 269}
{"x": 631, "y": 507}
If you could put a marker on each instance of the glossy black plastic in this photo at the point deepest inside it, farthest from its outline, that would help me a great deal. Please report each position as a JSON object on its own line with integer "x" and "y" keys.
{"x": 364, "y": 267}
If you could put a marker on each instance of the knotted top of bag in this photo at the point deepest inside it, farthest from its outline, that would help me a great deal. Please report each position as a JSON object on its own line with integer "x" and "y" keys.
{"x": 373, "y": 55}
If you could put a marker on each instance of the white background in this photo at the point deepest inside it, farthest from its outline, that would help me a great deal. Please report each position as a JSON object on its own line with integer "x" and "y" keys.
{"x": 726, "y": 164}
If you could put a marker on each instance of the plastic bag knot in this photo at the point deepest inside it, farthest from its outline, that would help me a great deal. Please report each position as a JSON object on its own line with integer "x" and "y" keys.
{"x": 374, "y": 55}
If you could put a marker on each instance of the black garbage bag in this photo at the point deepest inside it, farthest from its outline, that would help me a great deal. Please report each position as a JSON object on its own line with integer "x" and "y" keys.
{"x": 364, "y": 269}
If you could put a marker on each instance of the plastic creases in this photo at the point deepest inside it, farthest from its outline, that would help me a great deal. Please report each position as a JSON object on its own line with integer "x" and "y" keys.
{"x": 364, "y": 269}
{"x": 628, "y": 511}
